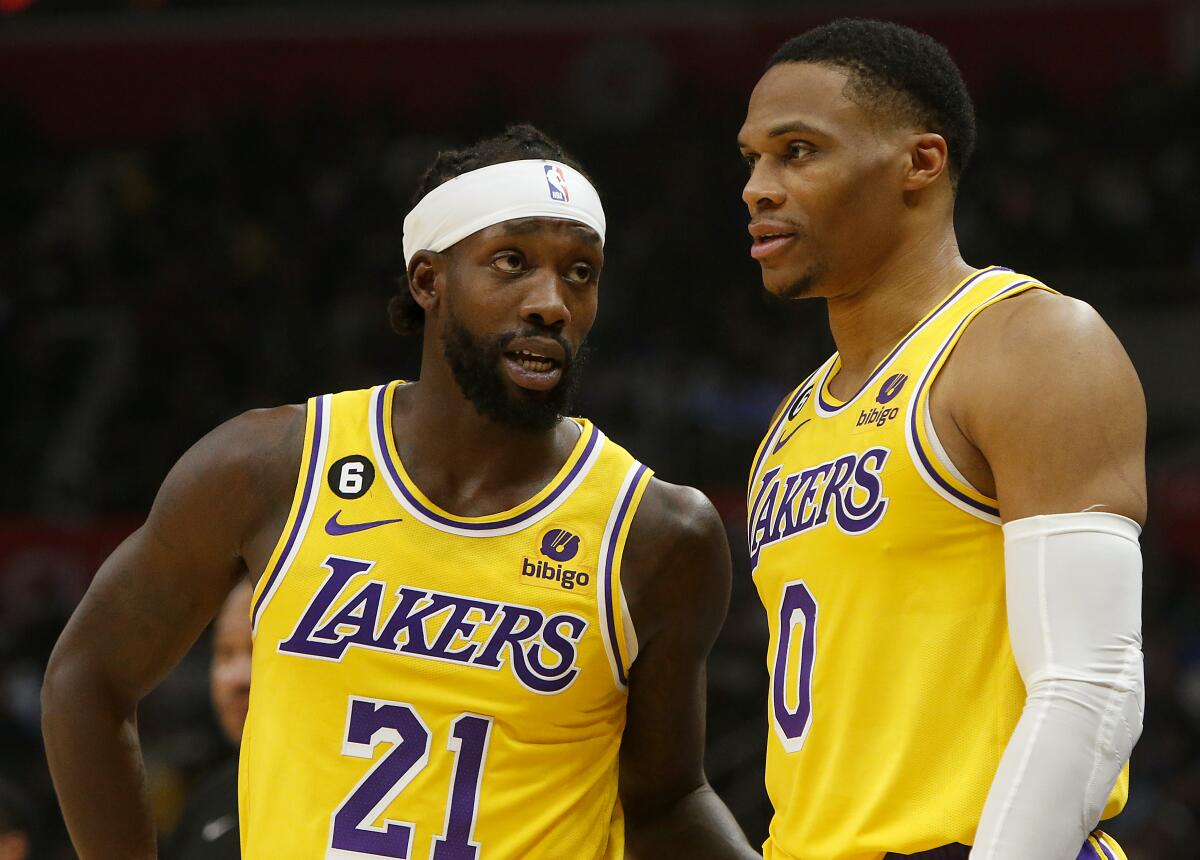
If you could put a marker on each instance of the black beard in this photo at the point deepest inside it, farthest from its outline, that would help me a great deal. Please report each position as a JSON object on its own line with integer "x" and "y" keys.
{"x": 476, "y": 368}
{"x": 804, "y": 286}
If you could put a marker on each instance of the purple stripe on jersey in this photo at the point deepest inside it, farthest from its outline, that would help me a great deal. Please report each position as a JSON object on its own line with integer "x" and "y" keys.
{"x": 1103, "y": 854}
{"x": 924, "y": 457}
{"x": 769, "y": 439}
{"x": 832, "y": 407}
{"x": 306, "y": 500}
{"x": 555, "y": 494}
{"x": 607, "y": 562}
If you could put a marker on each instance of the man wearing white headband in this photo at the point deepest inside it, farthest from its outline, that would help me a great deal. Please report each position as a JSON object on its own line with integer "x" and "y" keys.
{"x": 480, "y": 627}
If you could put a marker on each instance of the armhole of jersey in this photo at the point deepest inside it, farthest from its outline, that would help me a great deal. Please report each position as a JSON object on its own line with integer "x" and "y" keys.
{"x": 925, "y": 449}
{"x": 312, "y": 466}
{"x": 1119, "y": 796}
{"x": 1105, "y": 846}
{"x": 616, "y": 624}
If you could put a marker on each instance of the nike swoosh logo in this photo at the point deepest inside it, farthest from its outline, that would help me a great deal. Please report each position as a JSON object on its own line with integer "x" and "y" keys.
{"x": 784, "y": 440}
{"x": 333, "y": 527}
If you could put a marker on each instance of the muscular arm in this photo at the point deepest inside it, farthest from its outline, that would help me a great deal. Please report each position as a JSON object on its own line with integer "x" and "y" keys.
{"x": 1044, "y": 391}
{"x": 146, "y": 606}
{"x": 1056, "y": 412}
{"x": 676, "y": 576}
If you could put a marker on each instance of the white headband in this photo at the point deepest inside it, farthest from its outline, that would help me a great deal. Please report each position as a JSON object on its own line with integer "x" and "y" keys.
{"x": 500, "y": 192}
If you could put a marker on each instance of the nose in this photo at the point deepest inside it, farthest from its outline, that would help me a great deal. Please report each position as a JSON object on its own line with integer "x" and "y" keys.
{"x": 763, "y": 190}
{"x": 545, "y": 302}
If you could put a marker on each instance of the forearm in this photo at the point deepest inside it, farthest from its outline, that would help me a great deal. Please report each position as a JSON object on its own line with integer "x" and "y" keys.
{"x": 1074, "y": 588}
{"x": 96, "y": 762}
{"x": 698, "y": 825}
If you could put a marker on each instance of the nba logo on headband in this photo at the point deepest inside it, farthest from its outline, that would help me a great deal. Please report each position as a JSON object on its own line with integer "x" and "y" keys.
{"x": 557, "y": 183}
{"x": 496, "y": 193}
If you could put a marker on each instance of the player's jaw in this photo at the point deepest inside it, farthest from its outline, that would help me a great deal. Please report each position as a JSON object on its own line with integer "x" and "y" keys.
{"x": 785, "y": 253}
{"x": 524, "y": 380}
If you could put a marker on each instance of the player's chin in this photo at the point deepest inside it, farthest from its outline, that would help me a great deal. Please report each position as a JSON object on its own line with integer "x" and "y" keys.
{"x": 782, "y": 283}
{"x": 793, "y": 279}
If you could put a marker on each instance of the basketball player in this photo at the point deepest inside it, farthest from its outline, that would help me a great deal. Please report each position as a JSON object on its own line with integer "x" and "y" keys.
{"x": 480, "y": 628}
{"x": 944, "y": 516}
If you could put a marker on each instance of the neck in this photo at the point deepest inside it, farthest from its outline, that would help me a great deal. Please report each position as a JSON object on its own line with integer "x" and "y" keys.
{"x": 464, "y": 462}
{"x": 872, "y": 315}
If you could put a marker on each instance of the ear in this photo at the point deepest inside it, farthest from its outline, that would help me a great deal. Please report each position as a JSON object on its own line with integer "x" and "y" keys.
{"x": 929, "y": 158}
{"x": 426, "y": 277}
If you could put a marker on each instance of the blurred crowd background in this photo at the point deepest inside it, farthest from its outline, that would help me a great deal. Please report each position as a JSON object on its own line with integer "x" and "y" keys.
{"x": 200, "y": 213}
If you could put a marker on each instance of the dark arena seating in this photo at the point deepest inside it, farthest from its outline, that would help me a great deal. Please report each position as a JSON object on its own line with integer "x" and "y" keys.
{"x": 201, "y": 213}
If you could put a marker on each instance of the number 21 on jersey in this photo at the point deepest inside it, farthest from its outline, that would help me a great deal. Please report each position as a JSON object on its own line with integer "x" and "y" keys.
{"x": 792, "y": 665}
{"x": 371, "y": 722}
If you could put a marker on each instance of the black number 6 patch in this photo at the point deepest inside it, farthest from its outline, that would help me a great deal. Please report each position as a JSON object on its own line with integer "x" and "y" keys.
{"x": 351, "y": 477}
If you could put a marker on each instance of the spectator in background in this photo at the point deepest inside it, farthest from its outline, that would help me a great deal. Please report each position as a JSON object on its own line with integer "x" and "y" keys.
{"x": 15, "y": 823}
{"x": 208, "y": 827}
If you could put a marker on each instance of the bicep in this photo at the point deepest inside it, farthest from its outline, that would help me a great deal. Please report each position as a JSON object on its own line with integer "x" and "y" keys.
{"x": 154, "y": 595}
{"x": 1061, "y": 419}
{"x": 144, "y": 609}
{"x": 662, "y": 751}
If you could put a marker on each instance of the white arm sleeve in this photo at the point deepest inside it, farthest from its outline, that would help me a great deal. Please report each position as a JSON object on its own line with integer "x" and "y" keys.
{"x": 1074, "y": 590}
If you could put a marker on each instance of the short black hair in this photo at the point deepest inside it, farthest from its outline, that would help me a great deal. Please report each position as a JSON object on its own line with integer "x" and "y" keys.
{"x": 894, "y": 69}
{"x": 516, "y": 143}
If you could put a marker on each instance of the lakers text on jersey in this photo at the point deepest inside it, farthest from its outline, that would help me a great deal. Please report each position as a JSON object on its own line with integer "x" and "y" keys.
{"x": 433, "y": 686}
{"x": 893, "y": 688}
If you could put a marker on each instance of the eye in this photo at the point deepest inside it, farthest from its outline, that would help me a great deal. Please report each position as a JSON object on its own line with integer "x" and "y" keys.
{"x": 581, "y": 273}
{"x": 750, "y": 160}
{"x": 799, "y": 148}
{"x": 509, "y": 262}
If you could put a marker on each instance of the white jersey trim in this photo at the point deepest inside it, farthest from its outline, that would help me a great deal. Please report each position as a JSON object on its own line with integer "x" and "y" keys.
{"x": 475, "y": 530}
{"x": 311, "y": 489}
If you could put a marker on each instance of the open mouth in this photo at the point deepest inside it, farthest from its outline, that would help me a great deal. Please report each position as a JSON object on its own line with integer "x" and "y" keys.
{"x": 532, "y": 370}
{"x": 532, "y": 361}
{"x": 769, "y": 243}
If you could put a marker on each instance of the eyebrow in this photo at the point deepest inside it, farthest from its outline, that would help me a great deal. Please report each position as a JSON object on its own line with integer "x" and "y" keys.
{"x": 786, "y": 128}
{"x": 794, "y": 125}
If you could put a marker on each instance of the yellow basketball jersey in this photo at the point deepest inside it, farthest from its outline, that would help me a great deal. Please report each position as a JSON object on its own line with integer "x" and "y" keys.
{"x": 433, "y": 686}
{"x": 893, "y": 685}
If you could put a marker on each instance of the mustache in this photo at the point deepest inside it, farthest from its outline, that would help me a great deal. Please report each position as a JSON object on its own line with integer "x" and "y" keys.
{"x": 539, "y": 331}
{"x": 798, "y": 229}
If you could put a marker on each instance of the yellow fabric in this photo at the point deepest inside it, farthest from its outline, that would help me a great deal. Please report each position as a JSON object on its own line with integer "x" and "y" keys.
{"x": 1106, "y": 847}
{"x": 897, "y": 691}
{"x": 357, "y": 724}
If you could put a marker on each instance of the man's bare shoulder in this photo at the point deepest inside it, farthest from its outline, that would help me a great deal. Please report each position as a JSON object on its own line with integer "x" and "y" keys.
{"x": 677, "y": 512}
{"x": 235, "y": 481}
{"x": 676, "y": 560}
{"x": 1042, "y": 388}
{"x": 263, "y": 446}
{"x": 1041, "y": 347}
{"x": 1037, "y": 328}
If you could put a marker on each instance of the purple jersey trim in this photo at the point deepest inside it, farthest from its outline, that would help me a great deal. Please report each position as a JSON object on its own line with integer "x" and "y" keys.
{"x": 769, "y": 439}
{"x": 1089, "y": 851}
{"x": 386, "y": 453}
{"x": 832, "y": 407}
{"x": 925, "y": 459}
{"x": 306, "y": 499}
{"x": 610, "y": 614}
